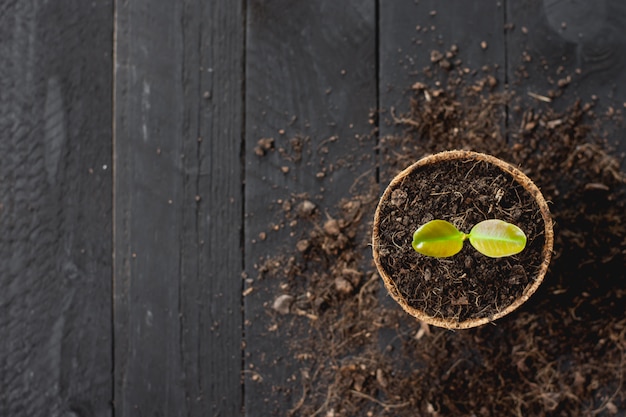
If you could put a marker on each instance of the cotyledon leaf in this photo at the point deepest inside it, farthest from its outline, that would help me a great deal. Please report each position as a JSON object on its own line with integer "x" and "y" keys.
{"x": 438, "y": 238}
{"x": 497, "y": 238}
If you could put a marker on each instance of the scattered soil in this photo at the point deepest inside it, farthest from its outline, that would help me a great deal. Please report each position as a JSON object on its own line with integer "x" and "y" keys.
{"x": 468, "y": 285}
{"x": 561, "y": 354}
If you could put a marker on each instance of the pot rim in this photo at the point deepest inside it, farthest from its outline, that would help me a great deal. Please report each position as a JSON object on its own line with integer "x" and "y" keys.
{"x": 518, "y": 176}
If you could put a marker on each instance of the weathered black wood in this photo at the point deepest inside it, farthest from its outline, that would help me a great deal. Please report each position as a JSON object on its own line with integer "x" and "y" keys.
{"x": 178, "y": 180}
{"x": 310, "y": 72}
{"x": 409, "y": 32}
{"x": 148, "y": 202}
{"x": 212, "y": 260}
{"x": 178, "y": 112}
{"x": 574, "y": 49}
{"x": 55, "y": 208}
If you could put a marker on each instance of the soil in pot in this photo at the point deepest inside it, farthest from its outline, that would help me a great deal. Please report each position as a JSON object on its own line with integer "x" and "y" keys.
{"x": 469, "y": 288}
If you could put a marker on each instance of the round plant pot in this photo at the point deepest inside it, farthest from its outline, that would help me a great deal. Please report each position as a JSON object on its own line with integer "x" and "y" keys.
{"x": 468, "y": 289}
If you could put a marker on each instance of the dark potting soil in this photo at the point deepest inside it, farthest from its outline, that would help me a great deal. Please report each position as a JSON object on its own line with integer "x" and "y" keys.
{"x": 468, "y": 285}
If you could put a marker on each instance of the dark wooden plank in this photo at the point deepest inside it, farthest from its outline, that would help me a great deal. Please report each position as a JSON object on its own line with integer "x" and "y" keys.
{"x": 560, "y": 52}
{"x": 178, "y": 112}
{"x": 409, "y": 32}
{"x": 212, "y": 259}
{"x": 578, "y": 45}
{"x": 310, "y": 73}
{"x": 55, "y": 208}
{"x": 148, "y": 199}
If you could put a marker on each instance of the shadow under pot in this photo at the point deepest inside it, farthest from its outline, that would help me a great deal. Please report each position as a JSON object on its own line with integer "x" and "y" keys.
{"x": 476, "y": 284}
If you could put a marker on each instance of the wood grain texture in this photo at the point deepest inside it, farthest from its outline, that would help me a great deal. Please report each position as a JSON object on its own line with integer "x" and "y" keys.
{"x": 310, "y": 75}
{"x": 177, "y": 193}
{"x": 55, "y": 208}
{"x": 212, "y": 260}
{"x": 148, "y": 200}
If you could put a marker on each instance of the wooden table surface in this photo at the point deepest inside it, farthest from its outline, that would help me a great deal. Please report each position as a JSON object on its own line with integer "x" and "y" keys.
{"x": 131, "y": 197}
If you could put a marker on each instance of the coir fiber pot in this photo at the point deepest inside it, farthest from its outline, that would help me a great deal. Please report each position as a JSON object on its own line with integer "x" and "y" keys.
{"x": 464, "y": 188}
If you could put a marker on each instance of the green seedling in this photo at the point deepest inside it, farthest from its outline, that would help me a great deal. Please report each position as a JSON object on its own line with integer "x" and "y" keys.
{"x": 493, "y": 238}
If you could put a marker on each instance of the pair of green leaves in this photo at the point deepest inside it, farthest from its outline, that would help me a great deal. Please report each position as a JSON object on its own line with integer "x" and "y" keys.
{"x": 493, "y": 238}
